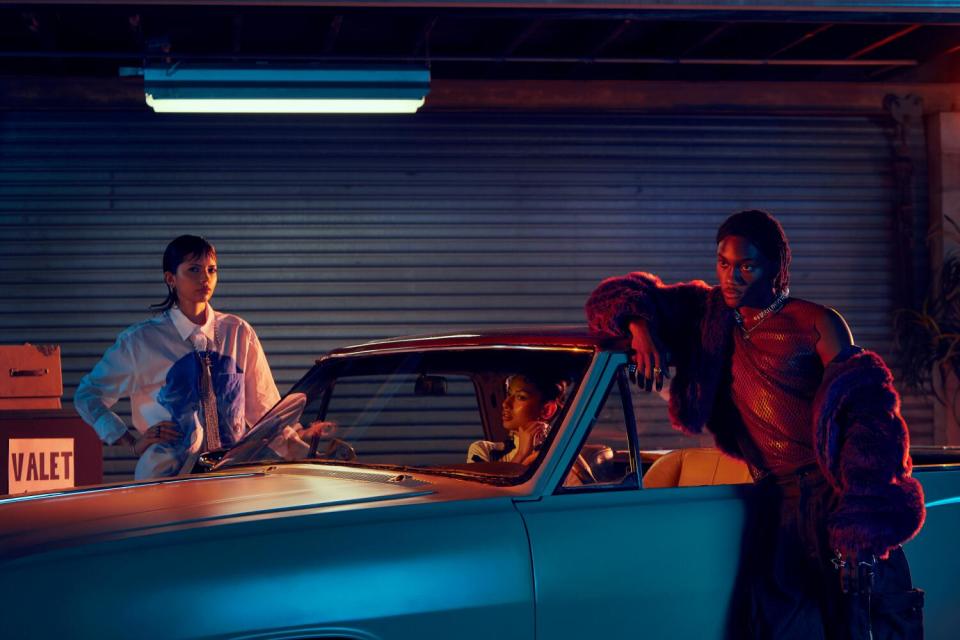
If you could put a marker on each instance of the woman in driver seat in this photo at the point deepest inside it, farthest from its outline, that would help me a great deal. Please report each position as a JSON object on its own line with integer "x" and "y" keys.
{"x": 531, "y": 402}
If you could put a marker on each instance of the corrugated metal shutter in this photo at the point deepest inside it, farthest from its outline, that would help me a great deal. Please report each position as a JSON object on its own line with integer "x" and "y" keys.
{"x": 337, "y": 230}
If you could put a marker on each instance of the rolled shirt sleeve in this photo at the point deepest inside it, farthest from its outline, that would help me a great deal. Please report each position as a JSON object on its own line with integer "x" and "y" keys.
{"x": 100, "y": 389}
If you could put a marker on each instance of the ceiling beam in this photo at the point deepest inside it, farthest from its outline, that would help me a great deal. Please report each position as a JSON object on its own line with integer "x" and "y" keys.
{"x": 707, "y": 39}
{"x": 898, "y": 12}
{"x": 522, "y": 37}
{"x": 810, "y": 35}
{"x": 863, "y": 7}
{"x": 776, "y": 62}
{"x": 943, "y": 64}
{"x": 43, "y": 93}
{"x": 952, "y": 50}
{"x": 333, "y": 31}
{"x": 615, "y": 34}
{"x": 883, "y": 42}
{"x": 676, "y": 97}
{"x": 423, "y": 42}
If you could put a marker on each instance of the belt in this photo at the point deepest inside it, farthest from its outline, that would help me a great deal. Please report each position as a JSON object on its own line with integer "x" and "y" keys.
{"x": 806, "y": 472}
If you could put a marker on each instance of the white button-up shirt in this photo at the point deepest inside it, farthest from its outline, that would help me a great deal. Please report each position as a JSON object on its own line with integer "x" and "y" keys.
{"x": 155, "y": 363}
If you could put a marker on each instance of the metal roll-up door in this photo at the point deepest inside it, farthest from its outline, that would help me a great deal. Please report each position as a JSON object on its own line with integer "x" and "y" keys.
{"x": 336, "y": 230}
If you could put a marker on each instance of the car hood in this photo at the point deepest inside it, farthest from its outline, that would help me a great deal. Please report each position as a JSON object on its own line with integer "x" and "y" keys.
{"x": 32, "y": 523}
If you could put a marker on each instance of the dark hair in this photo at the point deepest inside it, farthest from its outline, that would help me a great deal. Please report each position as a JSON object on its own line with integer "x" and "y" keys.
{"x": 764, "y": 232}
{"x": 179, "y": 249}
{"x": 551, "y": 388}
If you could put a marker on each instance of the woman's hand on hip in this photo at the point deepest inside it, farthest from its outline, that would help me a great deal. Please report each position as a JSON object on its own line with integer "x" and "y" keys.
{"x": 165, "y": 431}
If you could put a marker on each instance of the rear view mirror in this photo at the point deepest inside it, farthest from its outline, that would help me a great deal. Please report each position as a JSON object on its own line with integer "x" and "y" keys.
{"x": 430, "y": 386}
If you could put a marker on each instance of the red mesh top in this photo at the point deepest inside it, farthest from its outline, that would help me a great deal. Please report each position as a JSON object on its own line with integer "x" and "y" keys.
{"x": 776, "y": 372}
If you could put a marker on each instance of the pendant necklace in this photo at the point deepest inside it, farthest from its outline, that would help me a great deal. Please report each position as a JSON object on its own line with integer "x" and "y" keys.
{"x": 758, "y": 319}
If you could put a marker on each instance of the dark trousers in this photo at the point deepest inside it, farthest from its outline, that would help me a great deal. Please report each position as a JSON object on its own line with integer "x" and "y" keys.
{"x": 789, "y": 588}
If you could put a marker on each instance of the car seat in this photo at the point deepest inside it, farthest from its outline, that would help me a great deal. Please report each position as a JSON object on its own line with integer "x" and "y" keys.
{"x": 694, "y": 467}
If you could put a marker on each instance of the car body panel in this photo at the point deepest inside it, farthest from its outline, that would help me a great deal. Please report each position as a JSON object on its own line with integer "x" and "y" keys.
{"x": 934, "y": 561}
{"x": 633, "y": 550}
{"x": 349, "y": 573}
{"x": 189, "y": 502}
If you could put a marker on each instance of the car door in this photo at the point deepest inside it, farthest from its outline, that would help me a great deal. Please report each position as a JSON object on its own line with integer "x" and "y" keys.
{"x": 614, "y": 560}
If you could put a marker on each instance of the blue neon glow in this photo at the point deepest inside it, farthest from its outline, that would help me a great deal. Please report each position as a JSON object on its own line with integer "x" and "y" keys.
{"x": 945, "y": 501}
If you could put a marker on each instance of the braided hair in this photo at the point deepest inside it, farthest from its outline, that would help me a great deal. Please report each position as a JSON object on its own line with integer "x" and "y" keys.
{"x": 764, "y": 232}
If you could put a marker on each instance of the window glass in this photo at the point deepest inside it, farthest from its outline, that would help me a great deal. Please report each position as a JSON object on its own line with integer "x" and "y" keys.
{"x": 672, "y": 459}
{"x": 604, "y": 459}
{"x": 389, "y": 422}
{"x": 484, "y": 414}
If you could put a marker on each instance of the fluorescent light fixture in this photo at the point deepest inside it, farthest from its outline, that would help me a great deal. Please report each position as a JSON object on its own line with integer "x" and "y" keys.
{"x": 185, "y": 88}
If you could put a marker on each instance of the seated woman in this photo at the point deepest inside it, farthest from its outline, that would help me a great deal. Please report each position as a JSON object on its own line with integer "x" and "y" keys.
{"x": 532, "y": 401}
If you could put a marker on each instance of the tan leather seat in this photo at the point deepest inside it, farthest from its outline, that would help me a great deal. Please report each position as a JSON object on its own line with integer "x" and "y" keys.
{"x": 695, "y": 467}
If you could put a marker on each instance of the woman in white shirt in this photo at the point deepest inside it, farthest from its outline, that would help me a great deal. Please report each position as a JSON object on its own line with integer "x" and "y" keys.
{"x": 531, "y": 402}
{"x": 184, "y": 369}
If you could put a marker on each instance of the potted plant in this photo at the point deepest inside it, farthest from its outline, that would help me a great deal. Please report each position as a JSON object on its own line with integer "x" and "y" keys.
{"x": 927, "y": 339}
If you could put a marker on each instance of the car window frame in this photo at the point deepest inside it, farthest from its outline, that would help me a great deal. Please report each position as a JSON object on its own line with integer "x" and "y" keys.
{"x": 542, "y": 468}
{"x": 634, "y": 481}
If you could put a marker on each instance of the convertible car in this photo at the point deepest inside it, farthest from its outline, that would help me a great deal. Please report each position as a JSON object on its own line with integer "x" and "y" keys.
{"x": 351, "y": 510}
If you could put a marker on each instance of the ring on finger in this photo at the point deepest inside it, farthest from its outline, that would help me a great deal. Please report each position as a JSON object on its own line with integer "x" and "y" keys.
{"x": 657, "y": 371}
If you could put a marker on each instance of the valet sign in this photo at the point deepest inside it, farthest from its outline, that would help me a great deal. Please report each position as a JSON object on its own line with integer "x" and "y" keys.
{"x": 40, "y": 464}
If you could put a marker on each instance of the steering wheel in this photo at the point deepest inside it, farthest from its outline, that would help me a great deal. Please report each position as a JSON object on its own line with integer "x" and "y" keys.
{"x": 340, "y": 450}
{"x": 336, "y": 449}
{"x": 582, "y": 470}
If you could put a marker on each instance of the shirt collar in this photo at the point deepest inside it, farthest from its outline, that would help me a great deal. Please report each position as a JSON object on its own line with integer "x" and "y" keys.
{"x": 185, "y": 326}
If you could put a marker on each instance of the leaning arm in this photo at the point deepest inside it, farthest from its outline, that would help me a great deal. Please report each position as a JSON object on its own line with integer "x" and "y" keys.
{"x": 618, "y": 301}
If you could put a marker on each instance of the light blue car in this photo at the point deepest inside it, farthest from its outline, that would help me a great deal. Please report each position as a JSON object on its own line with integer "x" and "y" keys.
{"x": 352, "y": 511}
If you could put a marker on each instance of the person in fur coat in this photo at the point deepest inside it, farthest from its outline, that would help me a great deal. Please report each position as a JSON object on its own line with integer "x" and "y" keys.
{"x": 780, "y": 384}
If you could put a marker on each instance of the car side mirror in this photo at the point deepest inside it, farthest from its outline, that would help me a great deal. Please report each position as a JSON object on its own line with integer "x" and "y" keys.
{"x": 430, "y": 386}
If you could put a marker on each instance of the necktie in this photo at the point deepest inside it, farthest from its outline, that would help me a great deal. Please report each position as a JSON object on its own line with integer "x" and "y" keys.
{"x": 208, "y": 401}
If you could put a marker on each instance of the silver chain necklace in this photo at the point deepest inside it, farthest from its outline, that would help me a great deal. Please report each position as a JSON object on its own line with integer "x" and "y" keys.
{"x": 758, "y": 319}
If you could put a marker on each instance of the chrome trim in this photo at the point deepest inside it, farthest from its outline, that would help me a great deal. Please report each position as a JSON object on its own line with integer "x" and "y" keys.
{"x": 579, "y": 348}
{"x": 413, "y": 338}
{"x": 76, "y": 492}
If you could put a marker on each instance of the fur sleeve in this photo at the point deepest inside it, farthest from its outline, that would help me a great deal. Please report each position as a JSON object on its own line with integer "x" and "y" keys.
{"x": 863, "y": 446}
{"x": 616, "y": 301}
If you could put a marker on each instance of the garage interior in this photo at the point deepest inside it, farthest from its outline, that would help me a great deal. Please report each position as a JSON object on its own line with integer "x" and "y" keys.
{"x": 557, "y": 146}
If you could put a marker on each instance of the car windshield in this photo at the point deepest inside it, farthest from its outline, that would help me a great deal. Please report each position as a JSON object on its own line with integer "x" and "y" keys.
{"x": 422, "y": 410}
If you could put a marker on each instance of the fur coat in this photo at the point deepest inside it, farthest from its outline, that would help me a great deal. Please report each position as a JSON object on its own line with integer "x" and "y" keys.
{"x": 860, "y": 439}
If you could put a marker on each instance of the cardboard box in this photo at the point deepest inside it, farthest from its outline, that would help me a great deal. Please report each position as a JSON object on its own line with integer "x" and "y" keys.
{"x": 30, "y": 377}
